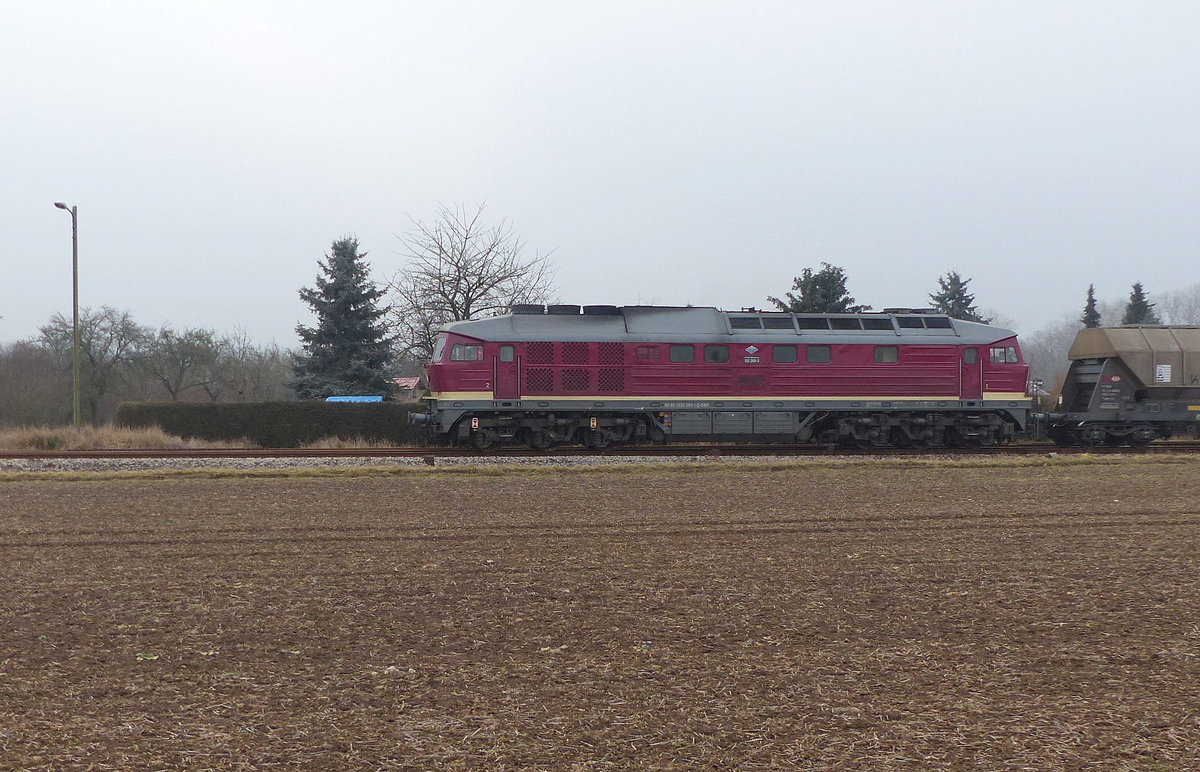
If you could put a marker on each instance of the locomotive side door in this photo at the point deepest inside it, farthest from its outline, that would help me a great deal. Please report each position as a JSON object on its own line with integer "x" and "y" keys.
{"x": 971, "y": 377}
{"x": 506, "y": 370}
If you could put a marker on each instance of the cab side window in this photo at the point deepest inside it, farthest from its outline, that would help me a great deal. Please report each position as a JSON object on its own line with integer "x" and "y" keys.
{"x": 1004, "y": 355}
{"x": 466, "y": 353}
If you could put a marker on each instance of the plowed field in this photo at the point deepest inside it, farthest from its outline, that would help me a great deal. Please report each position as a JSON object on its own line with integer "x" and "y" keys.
{"x": 872, "y": 615}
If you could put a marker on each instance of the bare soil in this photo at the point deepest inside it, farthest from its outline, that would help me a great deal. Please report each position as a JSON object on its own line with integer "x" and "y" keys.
{"x": 868, "y": 616}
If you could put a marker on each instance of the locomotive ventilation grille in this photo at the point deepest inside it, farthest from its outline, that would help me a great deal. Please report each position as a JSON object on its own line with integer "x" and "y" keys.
{"x": 610, "y": 379}
{"x": 575, "y": 379}
{"x": 539, "y": 353}
{"x": 574, "y": 354}
{"x": 539, "y": 379}
{"x": 611, "y": 354}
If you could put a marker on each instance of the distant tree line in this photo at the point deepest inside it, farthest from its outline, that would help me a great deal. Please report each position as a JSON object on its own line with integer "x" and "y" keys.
{"x": 123, "y": 360}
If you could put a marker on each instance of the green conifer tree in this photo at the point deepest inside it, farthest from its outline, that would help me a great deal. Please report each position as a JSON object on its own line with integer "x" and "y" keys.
{"x": 821, "y": 292}
{"x": 953, "y": 299}
{"x": 1091, "y": 314}
{"x": 348, "y": 351}
{"x": 1139, "y": 310}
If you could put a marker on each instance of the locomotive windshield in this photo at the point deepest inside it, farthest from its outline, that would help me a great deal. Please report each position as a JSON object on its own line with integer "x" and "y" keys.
{"x": 440, "y": 347}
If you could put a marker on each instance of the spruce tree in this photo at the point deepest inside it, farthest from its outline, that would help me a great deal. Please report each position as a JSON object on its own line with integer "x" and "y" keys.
{"x": 348, "y": 352}
{"x": 1139, "y": 310}
{"x": 1091, "y": 314}
{"x": 821, "y": 292}
{"x": 953, "y": 300}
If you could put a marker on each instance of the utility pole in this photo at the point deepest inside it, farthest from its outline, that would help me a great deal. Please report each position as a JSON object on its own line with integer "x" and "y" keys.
{"x": 76, "y": 346}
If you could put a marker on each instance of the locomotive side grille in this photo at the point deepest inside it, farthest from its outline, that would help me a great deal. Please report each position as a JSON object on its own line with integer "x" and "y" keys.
{"x": 539, "y": 379}
{"x": 574, "y": 353}
{"x": 610, "y": 379}
{"x": 574, "y": 379}
{"x": 612, "y": 354}
{"x": 539, "y": 352}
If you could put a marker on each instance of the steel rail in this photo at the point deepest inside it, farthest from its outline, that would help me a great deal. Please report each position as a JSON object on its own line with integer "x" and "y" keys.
{"x": 666, "y": 451}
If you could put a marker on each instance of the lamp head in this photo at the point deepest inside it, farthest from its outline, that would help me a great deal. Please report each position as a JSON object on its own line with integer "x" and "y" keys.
{"x": 60, "y": 205}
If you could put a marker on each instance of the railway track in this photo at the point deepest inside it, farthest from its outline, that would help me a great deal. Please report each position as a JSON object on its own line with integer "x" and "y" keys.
{"x": 666, "y": 451}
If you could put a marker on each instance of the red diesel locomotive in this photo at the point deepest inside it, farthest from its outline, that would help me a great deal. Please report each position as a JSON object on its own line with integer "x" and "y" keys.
{"x": 600, "y": 375}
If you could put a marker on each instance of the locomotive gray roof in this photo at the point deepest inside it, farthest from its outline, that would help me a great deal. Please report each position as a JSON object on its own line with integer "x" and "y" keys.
{"x": 694, "y": 325}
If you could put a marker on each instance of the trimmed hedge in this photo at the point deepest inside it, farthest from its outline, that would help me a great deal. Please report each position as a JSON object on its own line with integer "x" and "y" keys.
{"x": 278, "y": 424}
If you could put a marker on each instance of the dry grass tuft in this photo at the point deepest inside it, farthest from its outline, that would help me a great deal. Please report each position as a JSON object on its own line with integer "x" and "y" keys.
{"x": 100, "y": 438}
{"x": 339, "y": 443}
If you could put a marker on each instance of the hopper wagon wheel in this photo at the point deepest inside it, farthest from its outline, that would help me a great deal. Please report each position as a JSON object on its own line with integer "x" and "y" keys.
{"x": 1091, "y": 435}
{"x": 1142, "y": 435}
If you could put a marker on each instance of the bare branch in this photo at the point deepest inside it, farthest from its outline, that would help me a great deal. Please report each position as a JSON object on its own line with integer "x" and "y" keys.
{"x": 460, "y": 268}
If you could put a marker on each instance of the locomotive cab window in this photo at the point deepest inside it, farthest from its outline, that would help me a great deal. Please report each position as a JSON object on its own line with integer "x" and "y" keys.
{"x": 783, "y": 354}
{"x": 819, "y": 354}
{"x": 439, "y": 349}
{"x": 1004, "y": 355}
{"x": 887, "y": 354}
{"x": 716, "y": 353}
{"x": 466, "y": 353}
{"x": 683, "y": 353}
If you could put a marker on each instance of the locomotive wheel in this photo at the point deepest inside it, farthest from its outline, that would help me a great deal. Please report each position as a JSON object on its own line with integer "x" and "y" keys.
{"x": 484, "y": 439}
{"x": 539, "y": 439}
{"x": 597, "y": 439}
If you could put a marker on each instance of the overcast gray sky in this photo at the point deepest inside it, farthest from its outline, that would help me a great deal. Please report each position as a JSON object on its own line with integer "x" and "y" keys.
{"x": 670, "y": 152}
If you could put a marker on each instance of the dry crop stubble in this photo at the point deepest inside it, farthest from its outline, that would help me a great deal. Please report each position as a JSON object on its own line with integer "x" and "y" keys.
{"x": 856, "y": 615}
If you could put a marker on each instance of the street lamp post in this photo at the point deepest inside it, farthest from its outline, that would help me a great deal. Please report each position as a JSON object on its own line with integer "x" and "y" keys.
{"x": 76, "y": 347}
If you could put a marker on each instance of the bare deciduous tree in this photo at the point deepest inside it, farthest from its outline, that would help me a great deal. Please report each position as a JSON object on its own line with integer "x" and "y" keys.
{"x": 34, "y": 388}
{"x": 1181, "y": 306}
{"x": 460, "y": 267}
{"x": 108, "y": 341}
{"x": 250, "y": 373}
{"x": 180, "y": 361}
